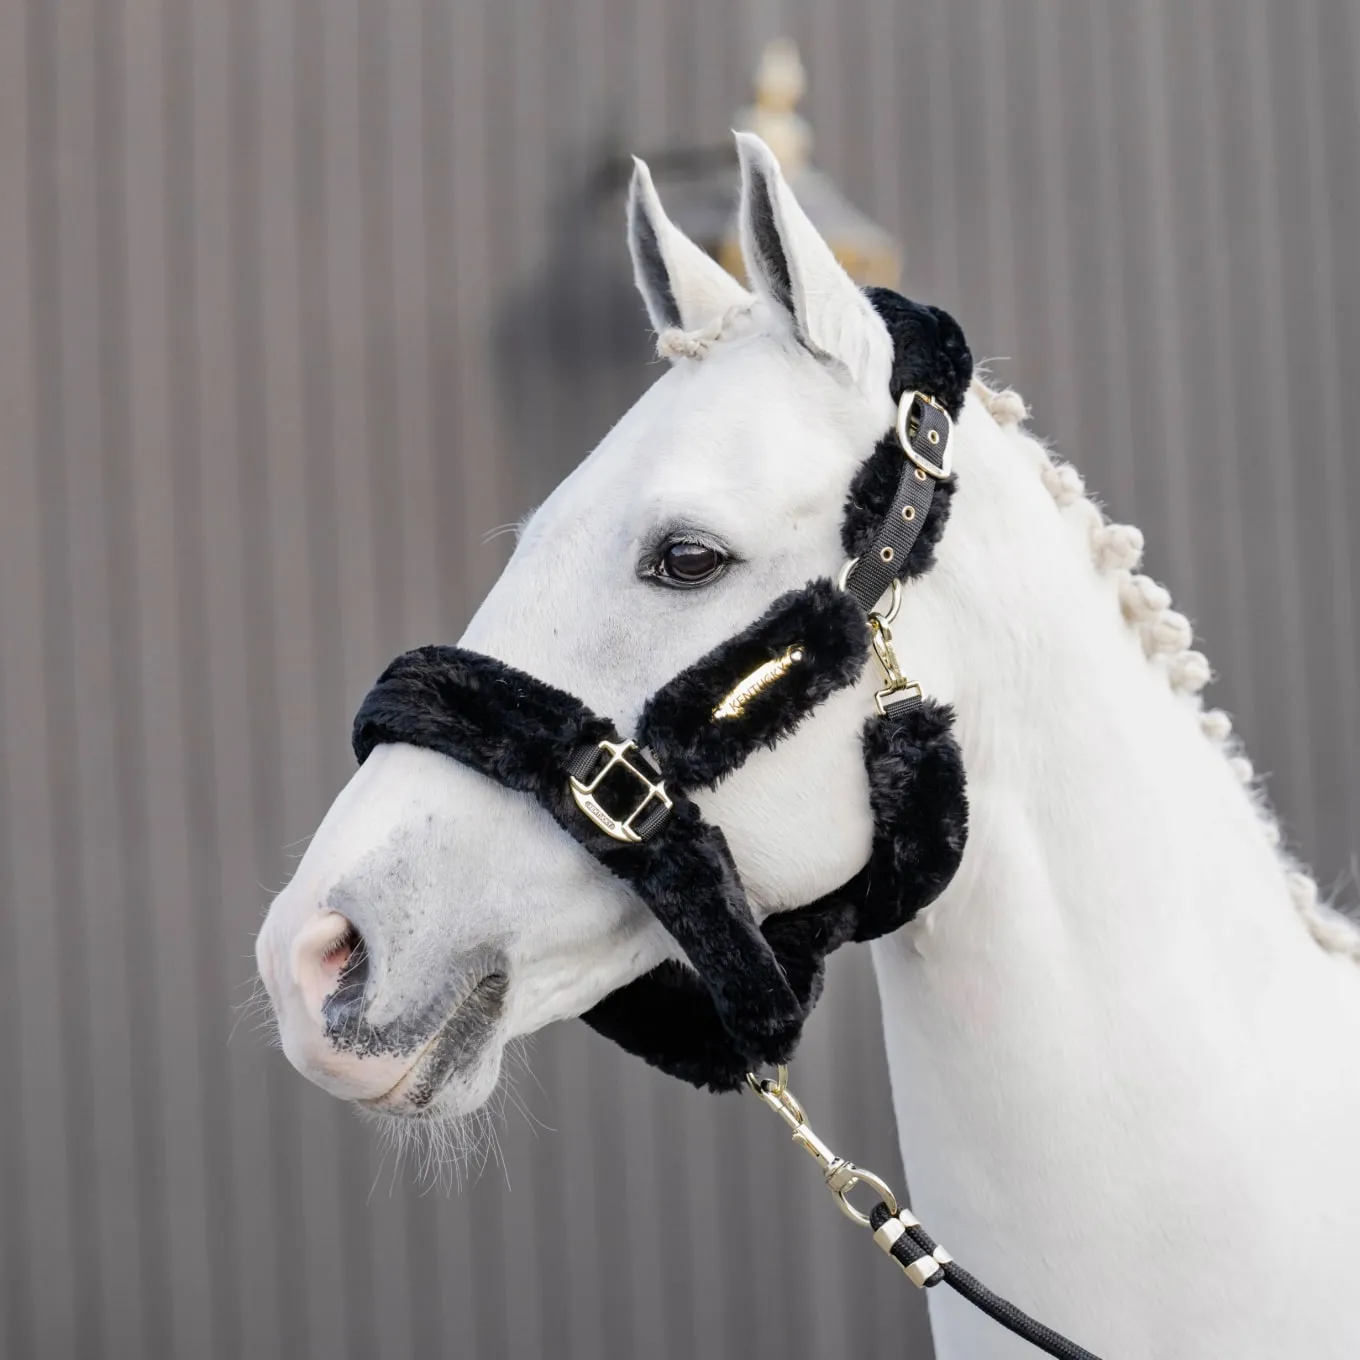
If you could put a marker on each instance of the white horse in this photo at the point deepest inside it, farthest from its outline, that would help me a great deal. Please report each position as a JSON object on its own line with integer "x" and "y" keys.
{"x": 1122, "y": 1043}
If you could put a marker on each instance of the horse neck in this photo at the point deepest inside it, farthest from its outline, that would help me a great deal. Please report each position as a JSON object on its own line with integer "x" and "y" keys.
{"x": 1120, "y": 945}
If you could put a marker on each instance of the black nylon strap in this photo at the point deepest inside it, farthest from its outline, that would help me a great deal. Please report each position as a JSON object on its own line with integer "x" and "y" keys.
{"x": 886, "y": 557}
{"x": 916, "y": 1243}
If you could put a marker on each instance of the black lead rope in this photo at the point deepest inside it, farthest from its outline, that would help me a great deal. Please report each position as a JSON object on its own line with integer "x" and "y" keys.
{"x": 745, "y": 989}
{"x": 912, "y": 1248}
{"x": 899, "y": 1232}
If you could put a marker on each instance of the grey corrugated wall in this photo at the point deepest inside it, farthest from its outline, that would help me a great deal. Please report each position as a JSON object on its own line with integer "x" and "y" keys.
{"x": 273, "y": 279}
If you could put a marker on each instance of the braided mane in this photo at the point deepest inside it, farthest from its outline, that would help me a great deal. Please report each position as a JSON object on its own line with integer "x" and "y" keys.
{"x": 1166, "y": 635}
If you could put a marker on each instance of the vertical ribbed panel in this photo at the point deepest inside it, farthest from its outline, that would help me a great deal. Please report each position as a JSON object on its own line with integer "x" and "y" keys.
{"x": 301, "y": 298}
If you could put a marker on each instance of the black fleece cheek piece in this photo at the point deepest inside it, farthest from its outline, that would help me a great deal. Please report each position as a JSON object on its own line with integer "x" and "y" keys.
{"x": 871, "y": 496}
{"x": 677, "y": 723}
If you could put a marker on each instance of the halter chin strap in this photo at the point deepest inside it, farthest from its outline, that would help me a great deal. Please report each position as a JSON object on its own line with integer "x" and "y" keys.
{"x": 745, "y": 991}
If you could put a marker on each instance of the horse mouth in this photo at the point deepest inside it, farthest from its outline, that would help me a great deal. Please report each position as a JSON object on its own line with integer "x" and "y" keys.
{"x": 455, "y": 1046}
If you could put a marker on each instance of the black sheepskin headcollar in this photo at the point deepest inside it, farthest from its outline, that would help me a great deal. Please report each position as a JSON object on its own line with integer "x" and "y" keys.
{"x": 744, "y": 991}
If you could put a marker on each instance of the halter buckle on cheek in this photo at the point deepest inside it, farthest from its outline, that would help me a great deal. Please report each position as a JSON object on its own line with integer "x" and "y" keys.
{"x": 912, "y": 416}
{"x": 653, "y": 808}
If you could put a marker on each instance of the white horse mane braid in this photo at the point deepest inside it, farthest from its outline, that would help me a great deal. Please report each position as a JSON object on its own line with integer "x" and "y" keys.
{"x": 1166, "y": 635}
{"x": 674, "y": 343}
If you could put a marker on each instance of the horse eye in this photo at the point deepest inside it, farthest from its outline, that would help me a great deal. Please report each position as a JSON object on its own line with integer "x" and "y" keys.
{"x": 689, "y": 564}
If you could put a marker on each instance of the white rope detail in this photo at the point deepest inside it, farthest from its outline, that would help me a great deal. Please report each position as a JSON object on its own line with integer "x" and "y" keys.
{"x": 1117, "y": 547}
{"x": 1064, "y": 483}
{"x": 1005, "y": 405}
{"x": 1190, "y": 672}
{"x": 1216, "y": 725}
{"x": 674, "y": 343}
{"x": 1142, "y": 599}
{"x": 1328, "y": 927}
{"x": 1166, "y": 635}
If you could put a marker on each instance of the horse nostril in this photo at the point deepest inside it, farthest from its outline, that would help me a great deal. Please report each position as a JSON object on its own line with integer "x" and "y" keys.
{"x": 347, "y": 963}
{"x": 335, "y": 958}
{"x": 330, "y": 962}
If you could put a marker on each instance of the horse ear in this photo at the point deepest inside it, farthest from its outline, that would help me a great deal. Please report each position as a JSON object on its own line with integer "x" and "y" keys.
{"x": 681, "y": 285}
{"x": 793, "y": 269}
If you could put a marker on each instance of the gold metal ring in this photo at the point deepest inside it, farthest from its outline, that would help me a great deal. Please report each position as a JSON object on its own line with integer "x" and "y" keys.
{"x": 893, "y": 607}
{"x": 778, "y": 1097}
{"x": 874, "y": 1183}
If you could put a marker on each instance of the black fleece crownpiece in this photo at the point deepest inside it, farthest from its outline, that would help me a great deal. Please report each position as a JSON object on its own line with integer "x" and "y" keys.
{"x": 745, "y": 991}
{"x": 930, "y": 351}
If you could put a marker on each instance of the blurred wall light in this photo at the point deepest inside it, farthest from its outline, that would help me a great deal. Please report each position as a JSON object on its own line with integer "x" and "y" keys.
{"x": 700, "y": 183}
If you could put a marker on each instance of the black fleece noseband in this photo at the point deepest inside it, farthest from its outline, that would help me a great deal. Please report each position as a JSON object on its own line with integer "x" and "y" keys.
{"x": 745, "y": 990}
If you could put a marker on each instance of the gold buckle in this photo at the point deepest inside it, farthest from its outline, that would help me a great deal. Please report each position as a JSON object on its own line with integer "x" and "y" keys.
{"x": 904, "y": 432}
{"x": 584, "y": 794}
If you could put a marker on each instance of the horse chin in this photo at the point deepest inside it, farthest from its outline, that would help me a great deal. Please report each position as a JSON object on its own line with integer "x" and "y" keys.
{"x": 446, "y": 1097}
{"x": 458, "y": 1069}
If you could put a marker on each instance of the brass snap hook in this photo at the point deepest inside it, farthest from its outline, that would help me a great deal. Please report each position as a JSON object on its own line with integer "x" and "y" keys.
{"x": 898, "y": 687}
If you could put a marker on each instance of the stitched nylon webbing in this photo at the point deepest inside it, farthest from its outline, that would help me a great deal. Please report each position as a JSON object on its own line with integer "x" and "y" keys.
{"x": 885, "y": 559}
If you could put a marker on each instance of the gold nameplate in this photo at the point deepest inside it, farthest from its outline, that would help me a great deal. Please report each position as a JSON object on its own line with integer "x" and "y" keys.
{"x": 734, "y": 703}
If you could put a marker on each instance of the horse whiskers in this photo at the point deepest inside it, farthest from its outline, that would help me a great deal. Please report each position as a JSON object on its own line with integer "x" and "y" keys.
{"x": 451, "y": 1152}
{"x": 256, "y": 1007}
{"x": 516, "y": 527}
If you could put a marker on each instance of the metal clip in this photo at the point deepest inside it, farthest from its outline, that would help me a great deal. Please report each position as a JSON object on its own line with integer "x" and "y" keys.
{"x": 898, "y": 688}
{"x": 840, "y": 1175}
